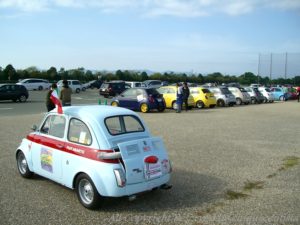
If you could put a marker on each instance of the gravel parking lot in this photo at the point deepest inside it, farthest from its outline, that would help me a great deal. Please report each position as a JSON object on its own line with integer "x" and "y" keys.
{"x": 216, "y": 154}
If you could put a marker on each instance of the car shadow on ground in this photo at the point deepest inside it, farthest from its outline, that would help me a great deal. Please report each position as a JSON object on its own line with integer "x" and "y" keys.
{"x": 189, "y": 189}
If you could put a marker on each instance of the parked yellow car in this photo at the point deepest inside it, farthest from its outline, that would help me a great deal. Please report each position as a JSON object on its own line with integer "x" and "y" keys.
{"x": 169, "y": 94}
{"x": 203, "y": 97}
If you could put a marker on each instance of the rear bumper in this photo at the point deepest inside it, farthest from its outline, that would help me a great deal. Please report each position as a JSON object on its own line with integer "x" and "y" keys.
{"x": 131, "y": 189}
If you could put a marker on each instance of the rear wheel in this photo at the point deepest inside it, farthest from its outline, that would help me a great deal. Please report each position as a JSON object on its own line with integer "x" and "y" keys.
{"x": 199, "y": 104}
{"x": 238, "y": 101}
{"x": 115, "y": 104}
{"x": 144, "y": 108}
{"x": 77, "y": 90}
{"x": 23, "y": 166}
{"x": 87, "y": 192}
{"x": 22, "y": 98}
{"x": 221, "y": 103}
{"x": 281, "y": 98}
{"x": 40, "y": 88}
{"x": 174, "y": 105}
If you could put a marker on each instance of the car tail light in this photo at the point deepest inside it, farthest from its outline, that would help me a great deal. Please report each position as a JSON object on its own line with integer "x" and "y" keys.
{"x": 151, "y": 159}
{"x": 120, "y": 177}
{"x": 151, "y": 99}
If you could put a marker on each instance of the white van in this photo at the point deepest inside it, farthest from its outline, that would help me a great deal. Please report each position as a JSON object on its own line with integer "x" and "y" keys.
{"x": 35, "y": 84}
{"x": 75, "y": 85}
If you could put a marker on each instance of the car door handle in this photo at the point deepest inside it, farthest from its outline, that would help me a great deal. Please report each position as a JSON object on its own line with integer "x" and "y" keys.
{"x": 59, "y": 146}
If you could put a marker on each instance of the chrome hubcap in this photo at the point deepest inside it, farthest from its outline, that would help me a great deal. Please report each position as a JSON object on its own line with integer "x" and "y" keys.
{"x": 86, "y": 191}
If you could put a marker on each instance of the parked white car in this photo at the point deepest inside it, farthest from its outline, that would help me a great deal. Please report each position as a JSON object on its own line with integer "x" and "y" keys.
{"x": 75, "y": 85}
{"x": 35, "y": 84}
{"x": 96, "y": 150}
{"x": 267, "y": 93}
{"x": 135, "y": 84}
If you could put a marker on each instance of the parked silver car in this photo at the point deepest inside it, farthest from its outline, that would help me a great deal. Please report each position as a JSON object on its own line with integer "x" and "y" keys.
{"x": 224, "y": 96}
{"x": 267, "y": 93}
{"x": 256, "y": 96}
{"x": 241, "y": 95}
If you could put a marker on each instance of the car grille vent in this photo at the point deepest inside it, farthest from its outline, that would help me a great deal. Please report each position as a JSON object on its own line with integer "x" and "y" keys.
{"x": 132, "y": 149}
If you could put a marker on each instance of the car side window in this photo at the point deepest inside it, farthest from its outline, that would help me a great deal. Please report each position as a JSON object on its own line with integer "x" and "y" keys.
{"x": 79, "y": 132}
{"x": 129, "y": 92}
{"x": 54, "y": 125}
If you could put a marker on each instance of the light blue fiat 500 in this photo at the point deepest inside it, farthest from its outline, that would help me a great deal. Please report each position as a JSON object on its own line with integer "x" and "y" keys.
{"x": 96, "y": 150}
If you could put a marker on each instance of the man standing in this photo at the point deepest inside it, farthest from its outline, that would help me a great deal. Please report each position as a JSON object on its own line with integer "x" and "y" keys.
{"x": 65, "y": 94}
{"x": 185, "y": 95}
{"x": 178, "y": 97}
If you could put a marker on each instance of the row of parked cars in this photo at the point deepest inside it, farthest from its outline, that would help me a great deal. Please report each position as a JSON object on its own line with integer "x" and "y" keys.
{"x": 145, "y": 99}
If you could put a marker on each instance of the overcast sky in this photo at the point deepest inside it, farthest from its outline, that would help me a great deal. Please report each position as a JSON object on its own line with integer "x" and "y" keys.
{"x": 200, "y": 36}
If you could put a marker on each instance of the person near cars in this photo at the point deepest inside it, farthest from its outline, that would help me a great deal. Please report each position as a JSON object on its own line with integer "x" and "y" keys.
{"x": 178, "y": 97}
{"x": 185, "y": 95}
{"x": 298, "y": 93}
{"x": 49, "y": 104}
{"x": 65, "y": 94}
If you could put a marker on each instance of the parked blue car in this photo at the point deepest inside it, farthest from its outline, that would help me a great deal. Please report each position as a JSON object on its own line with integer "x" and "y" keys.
{"x": 280, "y": 94}
{"x": 142, "y": 99}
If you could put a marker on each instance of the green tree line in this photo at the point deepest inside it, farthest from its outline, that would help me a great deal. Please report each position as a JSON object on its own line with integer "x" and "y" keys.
{"x": 10, "y": 74}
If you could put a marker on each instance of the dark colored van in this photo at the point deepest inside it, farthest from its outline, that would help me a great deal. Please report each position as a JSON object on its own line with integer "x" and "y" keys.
{"x": 113, "y": 88}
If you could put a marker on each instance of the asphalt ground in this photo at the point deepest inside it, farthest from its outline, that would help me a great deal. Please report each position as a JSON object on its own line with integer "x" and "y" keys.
{"x": 214, "y": 152}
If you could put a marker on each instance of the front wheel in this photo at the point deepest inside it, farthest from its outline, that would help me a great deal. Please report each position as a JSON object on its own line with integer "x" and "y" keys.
{"x": 199, "y": 104}
{"x": 281, "y": 98}
{"x": 86, "y": 192}
{"x": 220, "y": 103}
{"x": 22, "y": 98}
{"x": 115, "y": 104}
{"x": 144, "y": 108}
{"x": 161, "y": 109}
{"x": 77, "y": 90}
{"x": 23, "y": 166}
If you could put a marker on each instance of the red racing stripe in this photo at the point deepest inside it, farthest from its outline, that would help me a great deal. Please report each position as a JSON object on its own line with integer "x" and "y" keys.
{"x": 71, "y": 148}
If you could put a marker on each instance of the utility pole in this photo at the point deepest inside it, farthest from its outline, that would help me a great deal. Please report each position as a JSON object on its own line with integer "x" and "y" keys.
{"x": 285, "y": 68}
{"x": 258, "y": 68}
{"x": 271, "y": 62}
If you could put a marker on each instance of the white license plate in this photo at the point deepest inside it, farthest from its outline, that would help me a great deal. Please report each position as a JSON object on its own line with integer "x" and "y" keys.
{"x": 153, "y": 170}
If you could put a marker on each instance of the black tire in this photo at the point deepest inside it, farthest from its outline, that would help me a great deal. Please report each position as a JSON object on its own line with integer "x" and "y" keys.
{"x": 253, "y": 101}
{"x": 239, "y": 101}
{"x": 40, "y": 88}
{"x": 86, "y": 192}
{"x": 161, "y": 109}
{"x": 199, "y": 104}
{"x": 77, "y": 90}
{"x": 23, "y": 166}
{"x": 22, "y": 98}
{"x": 220, "y": 103}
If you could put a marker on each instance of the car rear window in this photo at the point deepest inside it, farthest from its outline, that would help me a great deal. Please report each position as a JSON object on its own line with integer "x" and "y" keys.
{"x": 104, "y": 85}
{"x": 153, "y": 92}
{"x": 225, "y": 91}
{"x": 242, "y": 90}
{"x": 204, "y": 90}
{"x": 117, "y": 125}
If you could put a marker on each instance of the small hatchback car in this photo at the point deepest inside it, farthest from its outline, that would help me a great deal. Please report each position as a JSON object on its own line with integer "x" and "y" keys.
{"x": 142, "y": 99}
{"x": 96, "y": 150}
{"x": 203, "y": 97}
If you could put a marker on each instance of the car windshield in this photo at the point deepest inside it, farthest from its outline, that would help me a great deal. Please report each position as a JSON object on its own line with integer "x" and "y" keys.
{"x": 104, "y": 85}
{"x": 153, "y": 92}
{"x": 117, "y": 125}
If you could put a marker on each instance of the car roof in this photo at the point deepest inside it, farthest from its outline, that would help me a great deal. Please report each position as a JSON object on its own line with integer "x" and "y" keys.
{"x": 96, "y": 112}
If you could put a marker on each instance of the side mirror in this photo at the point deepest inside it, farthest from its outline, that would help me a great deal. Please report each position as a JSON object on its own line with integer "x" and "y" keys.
{"x": 34, "y": 127}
